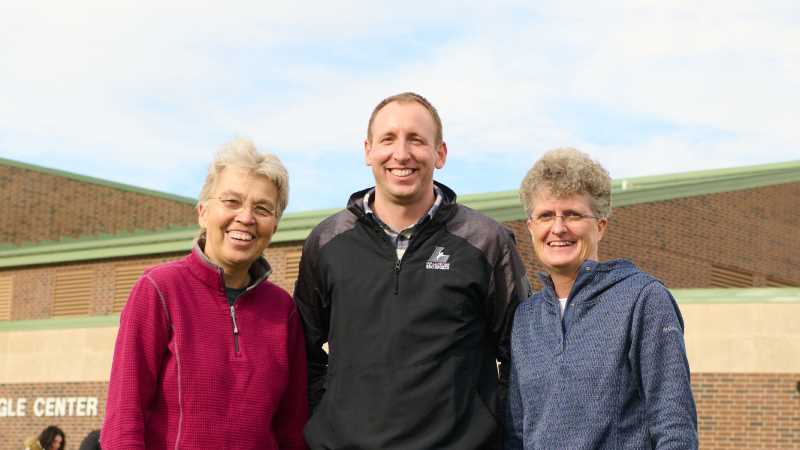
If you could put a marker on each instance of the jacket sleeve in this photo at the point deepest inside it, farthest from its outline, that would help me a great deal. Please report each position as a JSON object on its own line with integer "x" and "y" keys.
{"x": 660, "y": 356}
{"x": 314, "y": 308}
{"x": 292, "y": 413}
{"x": 144, "y": 332}
{"x": 511, "y": 286}
{"x": 512, "y": 435}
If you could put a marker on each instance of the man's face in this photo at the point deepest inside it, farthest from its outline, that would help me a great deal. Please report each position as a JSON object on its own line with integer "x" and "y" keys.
{"x": 403, "y": 153}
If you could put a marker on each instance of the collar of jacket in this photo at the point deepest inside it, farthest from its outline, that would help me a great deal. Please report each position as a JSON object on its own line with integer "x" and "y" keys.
{"x": 211, "y": 274}
{"x": 356, "y": 203}
{"x": 589, "y": 272}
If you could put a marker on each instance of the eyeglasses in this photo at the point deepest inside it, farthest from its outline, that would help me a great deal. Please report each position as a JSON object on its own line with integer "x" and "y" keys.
{"x": 233, "y": 204}
{"x": 568, "y": 218}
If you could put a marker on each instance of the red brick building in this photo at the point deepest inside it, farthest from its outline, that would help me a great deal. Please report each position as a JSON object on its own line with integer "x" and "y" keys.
{"x": 41, "y": 204}
{"x": 732, "y": 228}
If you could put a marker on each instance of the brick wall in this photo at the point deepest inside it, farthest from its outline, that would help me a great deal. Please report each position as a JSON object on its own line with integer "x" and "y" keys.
{"x": 38, "y": 206}
{"x": 679, "y": 240}
{"x": 748, "y": 411}
{"x": 14, "y": 430}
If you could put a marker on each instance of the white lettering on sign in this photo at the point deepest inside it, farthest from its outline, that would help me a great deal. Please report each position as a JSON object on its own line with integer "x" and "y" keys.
{"x": 38, "y": 407}
{"x": 10, "y": 408}
{"x": 91, "y": 406}
{"x": 50, "y": 407}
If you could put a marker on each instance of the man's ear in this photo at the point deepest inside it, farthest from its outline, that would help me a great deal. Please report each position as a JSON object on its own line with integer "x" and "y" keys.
{"x": 367, "y": 148}
{"x": 441, "y": 155}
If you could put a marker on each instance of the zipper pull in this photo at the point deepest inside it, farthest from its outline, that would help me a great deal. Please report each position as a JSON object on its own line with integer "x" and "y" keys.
{"x": 235, "y": 331}
{"x": 233, "y": 319}
{"x": 396, "y": 277}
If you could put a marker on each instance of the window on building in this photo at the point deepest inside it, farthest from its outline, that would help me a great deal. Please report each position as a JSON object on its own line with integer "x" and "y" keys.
{"x": 124, "y": 279}
{"x": 6, "y": 290}
{"x": 727, "y": 277}
{"x": 775, "y": 282}
{"x": 292, "y": 267}
{"x": 73, "y": 292}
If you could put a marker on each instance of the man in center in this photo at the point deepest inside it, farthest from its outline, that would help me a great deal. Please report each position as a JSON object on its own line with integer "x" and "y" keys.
{"x": 415, "y": 295}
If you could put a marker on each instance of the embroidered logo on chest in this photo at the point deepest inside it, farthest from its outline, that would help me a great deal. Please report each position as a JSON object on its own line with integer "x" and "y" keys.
{"x": 438, "y": 260}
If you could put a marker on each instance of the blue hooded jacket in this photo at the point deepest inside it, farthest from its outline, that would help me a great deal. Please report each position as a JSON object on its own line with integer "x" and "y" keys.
{"x": 612, "y": 375}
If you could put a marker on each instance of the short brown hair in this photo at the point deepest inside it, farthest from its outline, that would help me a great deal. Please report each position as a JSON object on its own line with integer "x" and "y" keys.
{"x": 565, "y": 172}
{"x": 408, "y": 97}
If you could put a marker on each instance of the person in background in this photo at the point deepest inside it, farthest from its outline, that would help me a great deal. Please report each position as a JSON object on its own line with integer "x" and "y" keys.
{"x": 32, "y": 443}
{"x": 51, "y": 438}
{"x": 209, "y": 353}
{"x": 414, "y": 293}
{"x": 91, "y": 441}
{"x": 598, "y": 359}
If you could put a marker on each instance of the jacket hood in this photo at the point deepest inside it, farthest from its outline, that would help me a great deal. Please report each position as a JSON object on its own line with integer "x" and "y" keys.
{"x": 593, "y": 278}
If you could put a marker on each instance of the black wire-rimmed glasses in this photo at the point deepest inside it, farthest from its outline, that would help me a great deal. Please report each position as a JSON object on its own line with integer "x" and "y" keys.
{"x": 568, "y": 219}
{"x": 234, "y": 204}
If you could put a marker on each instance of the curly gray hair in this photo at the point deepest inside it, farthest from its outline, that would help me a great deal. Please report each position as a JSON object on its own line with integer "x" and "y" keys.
{"x": 565, "y": 172}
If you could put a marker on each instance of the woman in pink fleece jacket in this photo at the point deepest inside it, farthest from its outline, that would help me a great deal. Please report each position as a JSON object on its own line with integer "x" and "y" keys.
{"x": 209, "y": 353}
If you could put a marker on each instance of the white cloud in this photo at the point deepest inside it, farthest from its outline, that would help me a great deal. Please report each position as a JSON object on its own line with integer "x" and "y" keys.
{"x": 724, "y": 65}
{"x": 155, "y": 85}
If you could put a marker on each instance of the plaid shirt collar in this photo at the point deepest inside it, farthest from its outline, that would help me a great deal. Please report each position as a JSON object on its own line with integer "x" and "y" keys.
{"x": 401, "y": 238}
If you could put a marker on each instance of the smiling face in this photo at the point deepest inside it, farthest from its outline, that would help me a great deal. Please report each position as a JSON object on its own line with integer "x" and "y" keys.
{"x": 403, "y": 154}
{"x": 235, "y": 237}
{"x": 562, "y": 247}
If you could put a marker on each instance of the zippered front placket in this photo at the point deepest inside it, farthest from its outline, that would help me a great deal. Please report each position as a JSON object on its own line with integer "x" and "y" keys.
{"x": 235, "y": 331}
{"x": 397, "y": 261}
{"x": 396, "y": 277}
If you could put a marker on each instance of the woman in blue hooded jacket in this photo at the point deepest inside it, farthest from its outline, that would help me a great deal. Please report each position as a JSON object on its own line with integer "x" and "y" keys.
{"x": 598, "y": 359}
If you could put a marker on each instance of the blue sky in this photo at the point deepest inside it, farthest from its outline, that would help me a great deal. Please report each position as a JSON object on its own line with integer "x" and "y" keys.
{"x": 142, "y": 93}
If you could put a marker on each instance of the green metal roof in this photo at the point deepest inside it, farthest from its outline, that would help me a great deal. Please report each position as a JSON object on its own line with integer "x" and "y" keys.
{"x": 737, "y": 296}
{"x": 61, "y": 323}
{"x": 99, "y": 181}
{"x": 683, "y": 296}
{"x": 502, "y": 206}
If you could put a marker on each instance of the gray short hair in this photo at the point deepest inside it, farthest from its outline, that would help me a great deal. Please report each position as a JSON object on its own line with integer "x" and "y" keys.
{"x": 242, "y": 153}
{"x": 565, "y": 172}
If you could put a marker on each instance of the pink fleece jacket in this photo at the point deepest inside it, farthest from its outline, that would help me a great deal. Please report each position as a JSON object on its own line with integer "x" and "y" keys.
{"x": 177, "y": 380}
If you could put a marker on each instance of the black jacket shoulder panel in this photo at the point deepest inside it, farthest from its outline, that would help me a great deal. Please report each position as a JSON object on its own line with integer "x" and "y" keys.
{"x": 482, "y": 232}
{"x": 331, "y": 227}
